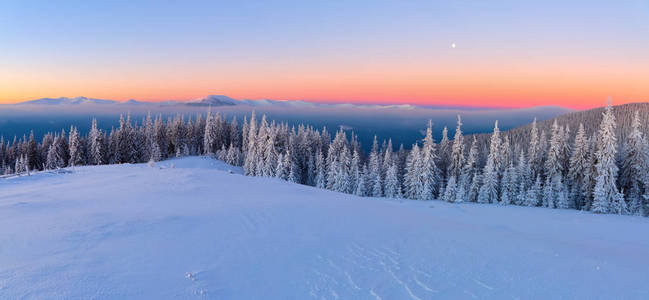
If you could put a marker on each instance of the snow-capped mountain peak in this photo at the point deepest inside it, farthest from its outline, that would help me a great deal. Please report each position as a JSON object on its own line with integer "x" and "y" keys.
{"x": 66, "y": 100}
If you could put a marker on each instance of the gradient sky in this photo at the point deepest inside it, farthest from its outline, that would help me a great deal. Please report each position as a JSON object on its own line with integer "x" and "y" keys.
{"x": 509, "y": 53}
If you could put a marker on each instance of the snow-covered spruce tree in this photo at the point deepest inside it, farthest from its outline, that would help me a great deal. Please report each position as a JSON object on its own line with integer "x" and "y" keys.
{"x": 488, "y": 192}
{"x": 579, "y": 170}
{"x": 199, "y": 135}
{"x": 606, "y": 195}
{"x": 97, "y": 150}
{"x": 509, "y": 188}
{"x": 443, "y": 155}
{"x": 460, "y": 193}
{"x": 553, "y": 166}
{"x": 361, "y": 185}
{"x": 221, "y": 154}
{"x": 260, "y": 144}
{"x": 455, "y": 166}
{"x": 547, "y": 197}
{"x": 592, "y": 172}
{"x": 533, "y": 193}
{"x": 338, "y": 173}
{"x": 270, "y": 154}
{"x": 19, "y": 166}
{"x": 43, "y": 148}
{"x": 234, "y": 156}
{"x": 489, "y": 189}
{"x": 54, "y": 161}
{"x": 123, "y": 141}
{"x": 160, "y": 136}
{"x": 387, "y": 159}
{"x": 209, "y": 135}
{"x": 412, "y": 179}
{"x": 543, "y": 150}
{"x": 522, "y": 193}
{"x": 320, "y": 181}
{"x": 339, "y": 141}
{"x": 505, "y": 154}
{"x": 561, "y": 193}
{"x": 457, "y": 152}
{"x": 63, "y": 149}
{"x": 310, "y": 169}
{"x": 450, "y": 192}
{"x": 156, "y": 154}
{"x": 565, "y": 150}
{"x": 474, "y": 187}
{"x": 634, "y": 176}
{"x": 281, "y": 171}
{"x": 469, "y": 169}
{"x": 75, "y": 146}
{"x": 147, "y": 132}
{"x": 32, "y": 157}
{"x": 533, "y": 151}
{"x": 251, "y": 155}
{"x": 375, "y": 174}
{"x": 293, "y": 169}
{"x": 401, "y": 158}
{"x": 524, "y": 174}
{"x": 392, "y": 184}
{"x": 245, "y": 129}
{"x": 235, "y": 136}
{"x": 429, "y": 172}
{"x": 355, "y": 175}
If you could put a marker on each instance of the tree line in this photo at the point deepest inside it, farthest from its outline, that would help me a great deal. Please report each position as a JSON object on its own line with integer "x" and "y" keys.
{"x": 589, "y": 170}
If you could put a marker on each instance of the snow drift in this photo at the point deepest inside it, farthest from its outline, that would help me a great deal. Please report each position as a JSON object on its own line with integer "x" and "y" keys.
{"x": 196, "y": 228}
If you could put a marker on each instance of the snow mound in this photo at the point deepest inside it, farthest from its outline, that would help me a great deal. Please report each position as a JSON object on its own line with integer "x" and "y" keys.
{"x": 195, "y": 230}
{"x": 199, "y": 162}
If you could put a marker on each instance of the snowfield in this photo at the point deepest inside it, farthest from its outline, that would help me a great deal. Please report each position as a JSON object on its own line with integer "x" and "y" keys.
{"x": 201, "y": 230}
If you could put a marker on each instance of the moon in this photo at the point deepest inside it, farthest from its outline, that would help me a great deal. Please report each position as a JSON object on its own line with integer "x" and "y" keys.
{"x": 453, "y": 45}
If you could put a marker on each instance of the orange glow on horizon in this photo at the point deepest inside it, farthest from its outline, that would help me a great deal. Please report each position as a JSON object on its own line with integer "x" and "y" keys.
{"x": 451, "y": 83}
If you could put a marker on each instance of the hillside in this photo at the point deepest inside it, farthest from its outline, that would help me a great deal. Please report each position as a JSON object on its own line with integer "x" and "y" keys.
{"x": 591, "y": 120}
{"x": 201, "y": 230}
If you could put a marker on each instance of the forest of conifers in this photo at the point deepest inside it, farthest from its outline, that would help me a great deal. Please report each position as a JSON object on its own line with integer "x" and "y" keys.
{"x": 594, "y": 160}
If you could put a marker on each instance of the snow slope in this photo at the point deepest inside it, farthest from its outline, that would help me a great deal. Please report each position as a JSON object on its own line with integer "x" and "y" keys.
{"x": 197, "y": 231}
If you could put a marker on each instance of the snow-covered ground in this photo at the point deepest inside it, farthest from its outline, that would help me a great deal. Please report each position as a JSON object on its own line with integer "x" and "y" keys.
{"x": 199, "y": 231}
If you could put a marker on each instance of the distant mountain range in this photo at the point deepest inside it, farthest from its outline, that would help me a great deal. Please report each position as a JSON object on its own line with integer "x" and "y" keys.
{"x": 223, "y": 100}
{"x": 68, "y": 101}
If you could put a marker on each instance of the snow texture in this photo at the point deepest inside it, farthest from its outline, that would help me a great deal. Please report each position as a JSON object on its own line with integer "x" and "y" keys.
{"x": 196, "y": 228}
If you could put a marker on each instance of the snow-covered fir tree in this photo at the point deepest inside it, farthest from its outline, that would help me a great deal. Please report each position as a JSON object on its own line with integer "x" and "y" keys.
{"x": 320, "y": 179}
{"x": 533, "y": 193}
{"x": 457, "y": 152}
{"x": 579, "y": 169}
{"x": 76, "y": 150}
{"x": 547, "y": 196}
{"x": 553, "y": 165}
{"x": 634, "y": 175}
{"x": 429, "y": 171}
{"x": 413, "y": 181}
{"x": 392, "y": 184}
{"x": 509, "y": 188}
{"x": 444, "y": 154}
{"x": 579, "y": 175}
{"x": 606, "y": 196}
{"x": 361, "y": 185}
{"x": 450, "y": 192}
{"x": 375, "y": 173}
{"x": 97, "y": 150}
{"x": 533, "y": 151}
{"x": 489, "y": 189}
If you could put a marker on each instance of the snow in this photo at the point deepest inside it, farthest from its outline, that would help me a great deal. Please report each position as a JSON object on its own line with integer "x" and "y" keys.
{"x": 195, "y": 228}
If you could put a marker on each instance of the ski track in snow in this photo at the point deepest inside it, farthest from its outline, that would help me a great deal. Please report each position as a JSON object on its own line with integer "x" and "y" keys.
{"x": 195, "y": 231}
